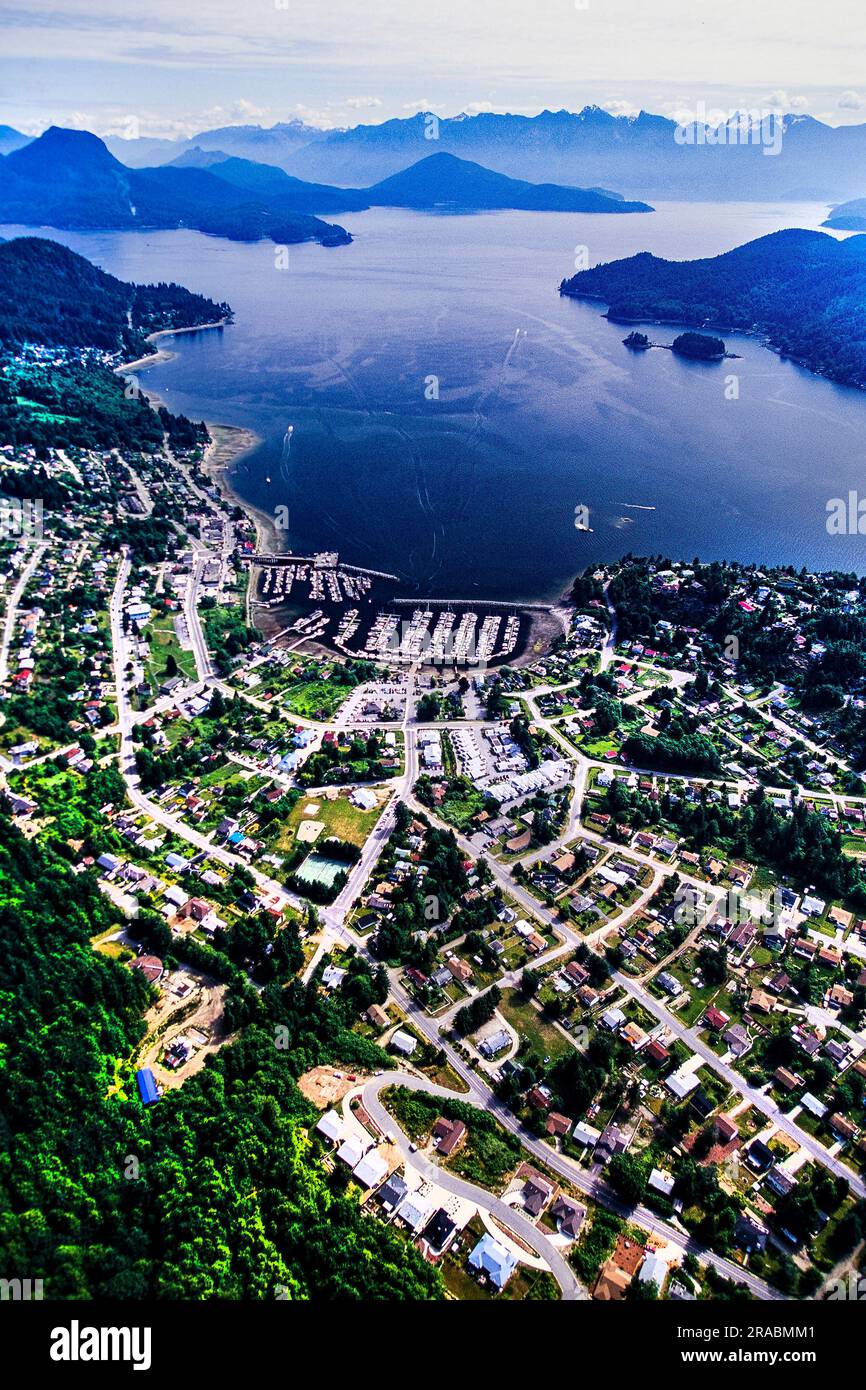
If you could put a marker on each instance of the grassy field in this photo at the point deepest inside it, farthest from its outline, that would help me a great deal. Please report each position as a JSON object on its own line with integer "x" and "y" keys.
{"x": 341, "y": 820}
{"x": 542, "y": 1036}
{"x": 489, "y": 1154}
{"x": 461, "y": 805}
{"x": 315, "y": 699}
{"x": 163, "y": 643}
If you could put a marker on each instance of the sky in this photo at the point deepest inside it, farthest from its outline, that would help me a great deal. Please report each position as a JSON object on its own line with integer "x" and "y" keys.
{"x": 172, "y": 67}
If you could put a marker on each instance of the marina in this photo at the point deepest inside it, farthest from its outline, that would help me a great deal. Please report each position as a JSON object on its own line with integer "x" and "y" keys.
{"x": 352, "y": 610}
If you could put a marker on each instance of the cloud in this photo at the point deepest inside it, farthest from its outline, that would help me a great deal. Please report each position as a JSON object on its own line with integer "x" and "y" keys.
{"x": 780, "y": 101}
{"x": 362, "y": 103}
{"x": 850, "y": 101}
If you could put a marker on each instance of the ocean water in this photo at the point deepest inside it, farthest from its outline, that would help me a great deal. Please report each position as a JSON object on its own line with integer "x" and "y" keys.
{"x": 451, "y": 411}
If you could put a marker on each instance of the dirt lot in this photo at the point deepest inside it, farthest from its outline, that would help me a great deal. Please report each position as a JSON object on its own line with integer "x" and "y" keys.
{"x": 326, "y": 1086}
{"x": 201, "y": 1012}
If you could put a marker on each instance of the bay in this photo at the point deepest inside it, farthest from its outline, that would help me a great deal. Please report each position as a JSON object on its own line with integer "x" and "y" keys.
{"x": 450, "y": 411}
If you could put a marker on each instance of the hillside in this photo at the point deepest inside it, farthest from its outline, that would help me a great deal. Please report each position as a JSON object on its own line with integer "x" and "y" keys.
{"x": 69, "y": 178}
{"x": 267, "y": 181}
{"x": 805, "y": 290}
{"x": 442, "y": 180}
{"x": 49, "y": 294}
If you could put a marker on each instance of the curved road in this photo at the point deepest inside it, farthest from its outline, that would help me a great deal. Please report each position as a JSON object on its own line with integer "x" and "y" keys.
{"x": 513, "y": 1220}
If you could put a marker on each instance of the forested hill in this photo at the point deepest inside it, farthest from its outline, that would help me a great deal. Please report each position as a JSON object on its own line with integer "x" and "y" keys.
{"x": 49, "y": 294}
{"x": 229, "y": 1198}
{"x": 805, "y": 290}
{"x": 68, "y": 178}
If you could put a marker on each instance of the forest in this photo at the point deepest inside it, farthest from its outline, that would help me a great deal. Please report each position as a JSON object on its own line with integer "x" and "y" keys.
{"x": 216, "y": 1191}
{"x": 804, "y": 290}
{"x": 51, "y": 295}
{"x": 82, "y": 403}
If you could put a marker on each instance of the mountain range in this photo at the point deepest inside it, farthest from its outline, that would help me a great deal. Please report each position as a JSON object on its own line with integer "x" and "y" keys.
{"x": 70, "y": 179}
{"x": 644, "y": 156}
{"x": 803, "y": 290}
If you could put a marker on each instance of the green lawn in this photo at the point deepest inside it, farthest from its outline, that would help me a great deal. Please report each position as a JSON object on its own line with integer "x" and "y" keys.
{"x": 540, "y": 1035}
{"x": 163, "y": 643}
{"x": 341, "y": 820}
{"x": 312, "y": 699}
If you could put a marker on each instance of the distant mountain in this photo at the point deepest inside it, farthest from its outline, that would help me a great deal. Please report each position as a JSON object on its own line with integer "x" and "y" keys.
{"x": 643, "y": 155}
{"x": 67, "y": 178}
{"x": 264, "y": 145}
{"x": 49, "y": 294}
{"x": 438, "y": 181}
{"x": 442, "y": 180}
{"x": 146, "y": 152}
{"x": 848, "y": 217}
{"x": 12, "y": 139}
{"x": 194, "y": 157}
{"x": 267, "y": 181}
{"x": 805, "y": 290}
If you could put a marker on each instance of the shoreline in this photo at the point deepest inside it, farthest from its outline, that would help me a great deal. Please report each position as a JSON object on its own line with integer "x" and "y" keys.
{"x": 755, "y": 334}
{"x": 153, "y": 359}
{"x": 228, "y": 443}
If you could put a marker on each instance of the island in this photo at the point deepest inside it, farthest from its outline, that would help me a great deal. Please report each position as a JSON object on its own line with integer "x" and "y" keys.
{"x": 848, "y": 217}
{"x": 699, "y": 346}
{"x": 801, "y": 291}
{"x": 444, "y": 182}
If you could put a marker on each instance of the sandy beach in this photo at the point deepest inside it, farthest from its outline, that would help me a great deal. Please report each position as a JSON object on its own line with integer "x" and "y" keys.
{"x": 152, "y": 359}
{"x": 228, "y": 444}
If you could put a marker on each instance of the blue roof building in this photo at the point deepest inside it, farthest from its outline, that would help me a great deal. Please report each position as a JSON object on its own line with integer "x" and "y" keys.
{"x": 494, "y": 1260}
{"x": 146, "y": 1086}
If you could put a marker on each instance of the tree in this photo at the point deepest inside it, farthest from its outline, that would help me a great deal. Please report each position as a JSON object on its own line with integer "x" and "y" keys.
{"x": 628, "y": 1176}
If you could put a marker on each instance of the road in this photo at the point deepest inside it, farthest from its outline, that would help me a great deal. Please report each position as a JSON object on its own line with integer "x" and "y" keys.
{"x": 590, "y": 1184}
{"x": 334, "y": 925}
{"x": 12, "y": 608}
{"x": 203, "y": 664}
{"x": 125, "y": 724}
{"x": 509, "y": 1217}
{"x": 763, "y": 1103}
